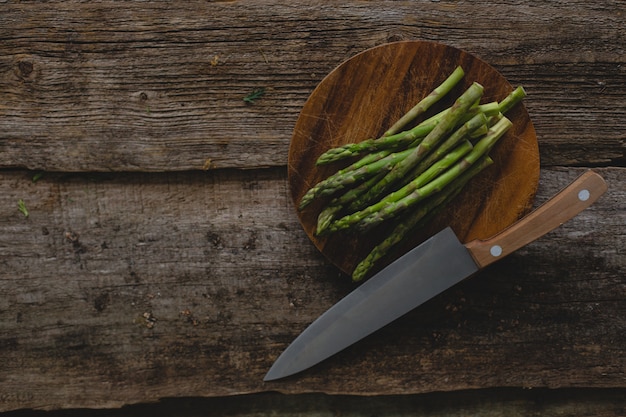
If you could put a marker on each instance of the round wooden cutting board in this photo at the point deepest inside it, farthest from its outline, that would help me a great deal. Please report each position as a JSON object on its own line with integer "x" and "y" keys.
{"x": 364, "y": 96}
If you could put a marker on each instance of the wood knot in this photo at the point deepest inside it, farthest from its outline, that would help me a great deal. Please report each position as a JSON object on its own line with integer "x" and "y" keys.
{"x": 25, "y": 70}
{"x": 395, "y": 37}
{"x": 25, "y": 67}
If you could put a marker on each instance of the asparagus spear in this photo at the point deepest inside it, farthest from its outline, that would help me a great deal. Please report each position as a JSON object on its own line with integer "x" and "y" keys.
{"x": 447, "y": 123}
{"x": 395, "y": 207}
{"x": 398, "y": 201}
{"x": 355, "y": 199}
{"x": 436, "y": 95}
{"x": 435, "y": 167}
{"x": 368, "y": 159}
{"x": 401, "y": 139}
{"x": 449, "y": 160}
{"x": 351, "y": 198}
{"x": 446, "y": 146}
{"x": 385, "y": 142}
{"x": 329, "y": 213}
{"x": 512, "y": 99}
{"x": 476, "y": 122}
{"x": 417, "y": 218}
{"x": 349, "y": 176}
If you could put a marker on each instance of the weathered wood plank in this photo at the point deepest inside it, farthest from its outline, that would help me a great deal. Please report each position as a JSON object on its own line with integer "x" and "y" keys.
{"x": 126, "y": 288}
{"x": 158, "y": 86}
{"x": 484, "y": 403}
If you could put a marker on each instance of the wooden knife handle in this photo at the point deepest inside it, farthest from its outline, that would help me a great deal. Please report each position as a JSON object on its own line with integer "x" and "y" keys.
{"x": 570, "y": 201}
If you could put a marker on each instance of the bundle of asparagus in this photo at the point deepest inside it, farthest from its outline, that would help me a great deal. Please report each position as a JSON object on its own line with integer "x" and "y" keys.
{"x": 409, "y": 175}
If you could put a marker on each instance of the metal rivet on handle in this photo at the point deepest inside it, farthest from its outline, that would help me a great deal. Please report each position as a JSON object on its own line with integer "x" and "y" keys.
{"x": 583, "y": 195}
{"x": 496, "y": 250}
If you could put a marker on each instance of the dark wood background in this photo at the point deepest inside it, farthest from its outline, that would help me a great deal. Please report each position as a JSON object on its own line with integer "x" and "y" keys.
{"x": 162, "y": 266}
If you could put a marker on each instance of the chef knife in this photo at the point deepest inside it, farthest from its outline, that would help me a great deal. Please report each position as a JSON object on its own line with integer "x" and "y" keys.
{"x": 427, "y": 270}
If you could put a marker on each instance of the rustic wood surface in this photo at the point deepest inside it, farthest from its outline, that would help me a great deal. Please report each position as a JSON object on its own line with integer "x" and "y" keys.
{"x": 162, "y": 258}
{"x": 489, "y": 403}
{"x": 158, "y": 86}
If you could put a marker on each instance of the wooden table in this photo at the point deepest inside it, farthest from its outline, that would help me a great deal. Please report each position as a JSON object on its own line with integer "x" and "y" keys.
{"x": 162, "y": 258}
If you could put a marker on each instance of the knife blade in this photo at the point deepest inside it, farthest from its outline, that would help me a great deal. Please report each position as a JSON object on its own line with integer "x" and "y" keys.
{"x": 437, "y": 264}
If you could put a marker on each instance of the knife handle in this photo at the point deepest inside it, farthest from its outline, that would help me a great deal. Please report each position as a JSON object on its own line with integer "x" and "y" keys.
{"x": 570, "y": 201}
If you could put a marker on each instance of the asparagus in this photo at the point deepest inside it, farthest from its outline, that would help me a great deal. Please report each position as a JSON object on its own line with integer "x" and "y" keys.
{"x": 440, "y": 91}
{"x": 512, "y": 99}
{"x": 329, "y": 213}
{"x": 480, "y": 131}
{"x": 446, "y": 146}
{"x": 326, "y": 217}
{"x": 398, "y": 201}
{"x": 395, "y": 207}
{"x": 448, "y": 122}
{"x": 449, "y": 160}
{"x": 401, "y": 139}
{"x": 386, "y": 159}
{"x": 351, "y": 198}
{"x": 385, "y": 142}
{"x": 349, "y": 176}
{"x": 417, "y": 218}
{"x": 476, "y": 122}
{"x": 368, "y": 159}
